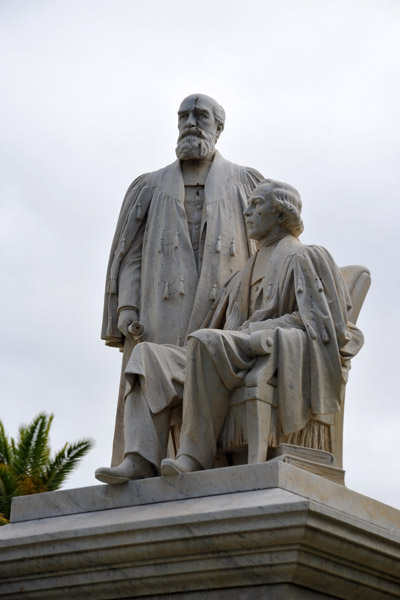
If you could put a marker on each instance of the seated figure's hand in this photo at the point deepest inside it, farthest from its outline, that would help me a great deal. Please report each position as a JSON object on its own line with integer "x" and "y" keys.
{"x": 126, "y": 317}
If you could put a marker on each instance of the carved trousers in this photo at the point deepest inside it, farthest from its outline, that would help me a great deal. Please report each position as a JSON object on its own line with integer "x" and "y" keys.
{"x": 216, "y": 362}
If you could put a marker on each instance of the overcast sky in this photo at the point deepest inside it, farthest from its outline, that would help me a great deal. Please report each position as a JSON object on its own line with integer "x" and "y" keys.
{"x": 90, "y": 92}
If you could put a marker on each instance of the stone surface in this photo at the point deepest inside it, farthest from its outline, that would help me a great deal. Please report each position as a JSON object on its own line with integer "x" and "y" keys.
{"x": 215, "y": 482}
{"x": 180, "y": 236}
{"x": 289, "y": 304}
{"x": 261, "y": 592}
{"x": 309, "y": 459}
{"x": 297, "y": 534}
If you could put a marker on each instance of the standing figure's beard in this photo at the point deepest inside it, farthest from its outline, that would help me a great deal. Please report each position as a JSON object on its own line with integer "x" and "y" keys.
{"x": 195, "y": 145}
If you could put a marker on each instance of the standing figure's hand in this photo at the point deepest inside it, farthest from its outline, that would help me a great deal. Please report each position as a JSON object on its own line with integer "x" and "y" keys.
{"x": 126, "y": 317}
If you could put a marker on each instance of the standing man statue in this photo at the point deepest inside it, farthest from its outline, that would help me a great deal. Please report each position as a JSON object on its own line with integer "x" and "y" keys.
{"x": 294, "y": 292}
{"x": 179, "y": 237}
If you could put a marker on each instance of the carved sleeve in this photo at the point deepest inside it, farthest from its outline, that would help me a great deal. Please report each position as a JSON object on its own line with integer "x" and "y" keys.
{"x": 130, "y": 273}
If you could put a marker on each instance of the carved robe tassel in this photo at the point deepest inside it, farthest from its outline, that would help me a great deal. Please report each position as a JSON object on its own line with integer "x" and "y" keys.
{"x": 181, "y": 289}
{"x": 166, "y": 291}
{"x": 269, "y": 291}
{"x": 233, "y": 248}
{"x": 160, "y": 246}
{"x": 122, "y": 247}
{"x": 300, "y": 285}
{"x": 325, "y": 335}
{"x": 139, "y": 211}
{"x": 113, "y": 287}
{"x": 214, "y": 292}
{"x": 176, "y": 241}
{"x": 312, "y": 332}
{"x": 218, "y": 245}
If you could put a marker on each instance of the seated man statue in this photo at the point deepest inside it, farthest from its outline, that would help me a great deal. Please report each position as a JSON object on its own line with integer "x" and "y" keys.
{"x": 294, "y": 292}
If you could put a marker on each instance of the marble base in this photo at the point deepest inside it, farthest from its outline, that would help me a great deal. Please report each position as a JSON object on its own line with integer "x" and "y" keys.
{"x": 284, "y": 591}
{"x": 269, "y": 530}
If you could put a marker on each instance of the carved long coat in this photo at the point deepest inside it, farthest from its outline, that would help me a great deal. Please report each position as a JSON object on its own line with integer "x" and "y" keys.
{"x": 306, "y": 299}
{"x": 305, "y": 303}
{"x": 152, "y": 264}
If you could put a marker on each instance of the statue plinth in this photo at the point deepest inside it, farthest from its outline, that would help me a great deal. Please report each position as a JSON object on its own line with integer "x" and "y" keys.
{"x": 267, "y": 530}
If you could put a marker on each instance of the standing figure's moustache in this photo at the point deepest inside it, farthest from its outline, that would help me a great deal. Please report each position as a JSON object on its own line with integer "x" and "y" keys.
{"x": 194, "y": 131}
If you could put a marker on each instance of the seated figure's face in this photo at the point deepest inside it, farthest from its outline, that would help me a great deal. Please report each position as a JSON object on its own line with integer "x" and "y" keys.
{"x": 260, "y": 215}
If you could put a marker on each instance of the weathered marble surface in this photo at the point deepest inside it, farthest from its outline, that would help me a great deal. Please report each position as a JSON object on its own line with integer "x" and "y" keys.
{"x": 217, "y": 482}
{"x": 296, "y": 529}
{"x": 292, "y": 294}
{"x": 180, "y": 235}
{"x": 261, "y": 592}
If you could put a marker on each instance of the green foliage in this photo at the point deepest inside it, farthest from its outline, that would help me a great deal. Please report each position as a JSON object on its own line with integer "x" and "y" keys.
{"x": 26, "y": 465}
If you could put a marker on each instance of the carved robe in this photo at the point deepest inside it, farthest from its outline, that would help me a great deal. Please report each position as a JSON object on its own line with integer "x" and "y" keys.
{"x": 152, "y": 263}
{"x": 304, "y": 302}
{"x": 306, "y": 298}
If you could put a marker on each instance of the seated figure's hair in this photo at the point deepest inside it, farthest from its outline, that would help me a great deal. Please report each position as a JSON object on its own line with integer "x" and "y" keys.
{"x": 288, "y": 201}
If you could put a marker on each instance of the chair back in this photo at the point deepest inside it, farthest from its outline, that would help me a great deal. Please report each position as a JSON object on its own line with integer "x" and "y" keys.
{"x": 358, "y": 280}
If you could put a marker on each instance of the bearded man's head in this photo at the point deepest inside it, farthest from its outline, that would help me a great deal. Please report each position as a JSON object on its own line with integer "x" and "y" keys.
{"x": 200, "y": 122}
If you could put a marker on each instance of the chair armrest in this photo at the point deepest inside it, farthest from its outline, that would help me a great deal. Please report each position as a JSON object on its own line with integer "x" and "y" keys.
{"x": 261, "y": 342}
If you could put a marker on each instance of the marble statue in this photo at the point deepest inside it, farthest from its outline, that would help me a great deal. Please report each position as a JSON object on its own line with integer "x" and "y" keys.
{"x": 180, "y": 236}
{"x": 294, "y": 292}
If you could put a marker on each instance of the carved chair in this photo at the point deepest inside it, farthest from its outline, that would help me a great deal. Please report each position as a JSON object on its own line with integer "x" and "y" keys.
{"x": 245, "y": 437}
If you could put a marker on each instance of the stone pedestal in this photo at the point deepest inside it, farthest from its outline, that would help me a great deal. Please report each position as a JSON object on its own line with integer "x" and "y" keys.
{"x": 268, "y": 530}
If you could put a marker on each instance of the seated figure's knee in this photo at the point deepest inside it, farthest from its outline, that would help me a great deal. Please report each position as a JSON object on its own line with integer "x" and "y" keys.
{"x": 145, "y": 347}
{"x": 206, "y": 336}
{"x": 148, "y": 352}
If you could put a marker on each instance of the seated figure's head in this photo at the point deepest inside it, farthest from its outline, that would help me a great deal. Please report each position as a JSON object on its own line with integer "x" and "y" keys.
{"x": 274, "y": 209}
{"x": 200, "y": 122}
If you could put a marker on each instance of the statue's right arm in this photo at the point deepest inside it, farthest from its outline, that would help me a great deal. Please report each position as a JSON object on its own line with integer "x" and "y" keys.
{"x": 129, "y": 284}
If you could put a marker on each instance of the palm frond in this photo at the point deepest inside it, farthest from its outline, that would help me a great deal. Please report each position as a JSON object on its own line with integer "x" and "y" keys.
{"x": 40, "y": 450}
{"x": 6, "y": 451}
{"x": 28, "y": 484}
{"x": 26, "y": 466}
{"x": 7, "y": 489}
{"x": 3, "y": 520}
{"x": 23, "y": 446}
{"x": 31, "y": 439}
{"x": 65, "y": 462}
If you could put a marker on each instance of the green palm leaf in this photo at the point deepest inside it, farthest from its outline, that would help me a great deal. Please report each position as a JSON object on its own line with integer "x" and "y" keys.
{"x": 7, "y": 489}
{"x": 6, "y": 449}
{"x": 40, "y": 449}
{"x": 26, "y": 466}
{"x": 27, "y": 440}
{"x": 65, "y": 462}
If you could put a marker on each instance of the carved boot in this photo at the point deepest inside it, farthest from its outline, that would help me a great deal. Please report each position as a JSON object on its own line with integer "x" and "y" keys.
{"x": 133, "y": 466}
{"x": 182, "y": 464}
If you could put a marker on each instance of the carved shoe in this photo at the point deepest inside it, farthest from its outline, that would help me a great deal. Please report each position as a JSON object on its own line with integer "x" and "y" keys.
{"x": 132, "y": 467}
{"x": 182, "y": 464}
